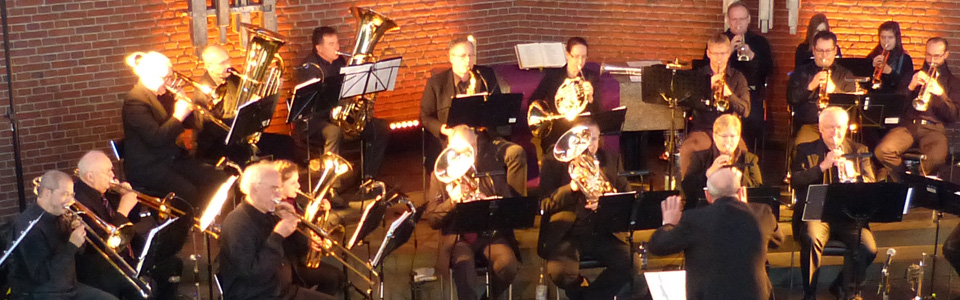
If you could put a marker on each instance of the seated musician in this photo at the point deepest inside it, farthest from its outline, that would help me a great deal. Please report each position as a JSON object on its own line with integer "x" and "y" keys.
{"x": 253, "y": 263}
{"x": 560, "y": 83}
{"x": 724, "y": 244}
{"x": 465, "y": 78}
{"x": 457, "y": 253}
{"x": 807, "y": 81}
{"x": 328, "y": 278}
{"x": 569, "y": 236}
{"x": 923, "y": 123}
{"x": 898, "y": 63}
{"x": 43, "y": 264}
{"x": 93, "y": 190}
{"x": 324, "y": 62}
{"x": 724, "y": 153}
{"x": 818, "y": 162}
{"x": 153, "y": 119}
{"x": 209, "y": 138}
{"x": 734, "y": 89}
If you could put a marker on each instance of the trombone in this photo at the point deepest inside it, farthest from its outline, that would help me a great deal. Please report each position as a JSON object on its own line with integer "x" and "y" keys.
{"x": 202, "y": 109}
{"x": 106, "y": 248}
{"x": 164, "y": 211}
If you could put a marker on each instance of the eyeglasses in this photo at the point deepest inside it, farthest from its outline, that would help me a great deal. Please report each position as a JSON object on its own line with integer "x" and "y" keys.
{"x": 936, "y": 56}
{"x": 824, "y": 52}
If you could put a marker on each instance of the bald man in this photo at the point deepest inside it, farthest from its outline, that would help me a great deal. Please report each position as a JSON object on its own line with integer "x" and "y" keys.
{"x": 817, "y": 162}
{"x": 725, "y": 243}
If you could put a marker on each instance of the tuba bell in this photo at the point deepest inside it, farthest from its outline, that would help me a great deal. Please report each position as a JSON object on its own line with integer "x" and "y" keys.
{"x": 262, "y": 70}
{"x": 574, "y": 147}
{"x": 352, "y": 116}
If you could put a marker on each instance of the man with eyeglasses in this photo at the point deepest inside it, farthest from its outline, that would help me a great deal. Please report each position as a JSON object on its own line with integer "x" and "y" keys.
{"x": 806, "y": 82}
{"x": 726, "y": 152}
{"x": 252, "y": 260}
{"x": 751, "y": 56}
{"x": 923, "y": 124}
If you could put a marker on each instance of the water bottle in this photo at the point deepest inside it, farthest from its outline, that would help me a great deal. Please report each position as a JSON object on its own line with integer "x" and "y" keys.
{"x": 541, "y": 289}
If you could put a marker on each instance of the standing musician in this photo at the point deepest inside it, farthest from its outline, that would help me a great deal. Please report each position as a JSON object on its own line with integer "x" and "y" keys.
{"x": 325, "y": 62}
{"x": 92, "y": 187}
{"x": 569, "y": 234}
{"x": 253, "y": 263}
{"x": 923, "y": 122}
{"x": 725, "y": 153}
{"x": 328, "y": 278}
{"x": 153, "y": 119}
{"x": 457, "y": 253}
{"x": 43, "y": 265}
{"x": 734, "y": 98}
{"x": 464, "y": 78}
{"x": 822, "y": 161}
{"x": 897, "y": 64}
{"x": 725, "y": 243}
{"x": 805, "y": 89}
{"x": 549, "y": 87}
{"x": 804, "y": 54}
{"x": 754, "y": 59}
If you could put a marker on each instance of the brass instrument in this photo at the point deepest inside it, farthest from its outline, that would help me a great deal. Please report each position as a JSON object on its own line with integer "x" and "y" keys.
{"x": 352, "y": 116}
{"x": 875, "y": 81}
{"x": 262, "y": 70}
{"x": 203, "y": 109}
{"x": 455, "y": 169}
{"x": 922, "y": 102}
{"x": 318, "y": 231}
{"x": 571, "y": 99}
{"x": 720, "y": 101}
{"x": 846, "y": 171}
{"x": 620, "y": 70}
{"x": 824, "y": 99}
{"x": 334, "y": 166}
{"x": 574, "y": 147}
{"x": 164, "y": 210}
{"x": 741, "y": 50}
{"x": 107, "y": 248}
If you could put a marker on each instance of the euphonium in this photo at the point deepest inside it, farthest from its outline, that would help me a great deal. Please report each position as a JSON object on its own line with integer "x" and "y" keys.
{"x": 262, "y": 70}
{"x": 352, "y": 116}
{"x": 824, "y": 100}
{"x": 922, "y": 102}
{"x": 334, "y": 167}
{"x": 455, "y": 169}
{"x": 574, "y": 147}
{"x": 721, "y": 101}
{"x": 875, "y": 81}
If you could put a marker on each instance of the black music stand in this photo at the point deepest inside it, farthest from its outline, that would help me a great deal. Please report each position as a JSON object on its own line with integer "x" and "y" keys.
{"x": 938, "y": 195}
{"x": 314, "y": 93}
{"x": 489, "y": 215}
{"x": 252, "y": 117}
{"x": 882, "y": 202}
{"x": 369, "y": 77}
{"x": 860, "y": 67}
{"x": 769, "y": 196}
{"x": 628, "y": 212}
{"x": 610, "y": 121}
{"x": 851, "y": 103}
{"x": 488, "y": 111}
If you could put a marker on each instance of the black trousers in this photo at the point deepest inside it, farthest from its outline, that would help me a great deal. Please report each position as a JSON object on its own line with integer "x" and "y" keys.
{"x": 500, "y": 258}
{"x": 931, "y": 138}
{"x": 563, "y": 265}
{"x": 327, "y": 137}
{"x": 754, "y": 125}
{"x": 80, "y": 292}
{"x": 815, "y": 234}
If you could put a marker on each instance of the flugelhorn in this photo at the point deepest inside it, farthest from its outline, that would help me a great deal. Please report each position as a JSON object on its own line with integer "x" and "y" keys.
{"x": 620, "y": 70}
{"x": 574, "y": 147}
{"x": 824, "y": 98}
{"x": 922, "y": 102}
{"x": 846, "y": 171}
{"x": 876, "y": 81}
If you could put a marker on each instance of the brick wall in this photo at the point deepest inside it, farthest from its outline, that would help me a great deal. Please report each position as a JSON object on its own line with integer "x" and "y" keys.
{"x": 69, "y": 74}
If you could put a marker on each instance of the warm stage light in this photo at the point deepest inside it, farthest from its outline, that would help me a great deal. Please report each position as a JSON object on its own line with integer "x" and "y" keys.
{"x": 404, "y": 124}
{"x": 216, "y": 204}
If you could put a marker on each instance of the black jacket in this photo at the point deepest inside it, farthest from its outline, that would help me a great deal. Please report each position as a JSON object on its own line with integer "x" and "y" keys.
{"x": 804, "y": 101}
{"x": 901, "y": 65}
{"x": 942, "y": 109}
{"x": 696, "y": 178}
{"x": 704, "y": 116}
{"x": 150, "y": 131}
{"x": 44, "y": 261}
{"x": 760, "y": 67}
{"x": 252, "y": 264}
{"x": 805, "y": 169}
{"x": 439, "y": 93}
{"x": 725, "y": 245}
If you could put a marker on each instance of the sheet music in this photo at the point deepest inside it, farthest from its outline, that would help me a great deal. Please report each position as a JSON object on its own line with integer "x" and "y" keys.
{"x": 369, "y": 78}
{"x": 541, "y": 55}
{"x": 148, "y": 245}
{"x": 667, "y": 285}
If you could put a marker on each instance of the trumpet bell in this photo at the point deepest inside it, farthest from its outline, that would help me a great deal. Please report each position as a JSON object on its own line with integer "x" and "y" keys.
{"x": 572, "y": 143}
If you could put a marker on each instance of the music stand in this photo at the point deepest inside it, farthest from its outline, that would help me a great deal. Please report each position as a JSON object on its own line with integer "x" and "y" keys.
{"x": 860, "y": 67}
{"x": 488, "y": 111}
{"x": 368, "y": 78}
{"x": 369, "y": 221}
{"x": 769, "y": 196}
{"x": 252, "y": 117}
{"x": 882, "y": 202}
{"x": 610, "y": 121}
{"x": 938, "y": 195}
{"x": 309, "y": 94}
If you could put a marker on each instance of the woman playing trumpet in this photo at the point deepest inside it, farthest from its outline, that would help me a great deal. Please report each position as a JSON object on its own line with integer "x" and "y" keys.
{"x": 889, "y": 58}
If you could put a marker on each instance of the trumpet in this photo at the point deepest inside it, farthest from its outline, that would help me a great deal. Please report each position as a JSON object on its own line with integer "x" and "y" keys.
{"x": 742, "y": 50}
{"x": 313, "y": 229}
{"x": 721, "y": 101}
{"x": 875, "y": 81}
{"x": 824, "y": 100}
{"x": 922, "y": 102}
{"x": 846, "y": 171}
{"x": 177, "y": 87}
{"x": 107, "y": 248}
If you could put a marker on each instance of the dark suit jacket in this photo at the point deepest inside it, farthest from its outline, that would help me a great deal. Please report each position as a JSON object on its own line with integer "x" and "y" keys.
{"x": 725, "y": 245}
{"x": 150, "y": 131}
{"x": 696, "y": 178}
{"x": 806, "y": 170}
{"x": 439, "y": 93}
{"x": 804, "y": 101}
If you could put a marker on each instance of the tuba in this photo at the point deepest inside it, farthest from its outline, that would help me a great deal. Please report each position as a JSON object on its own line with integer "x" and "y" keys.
{"x": 262, "y": 69}
{"x": 455, "y": 169}
{"x": 352, "y": 116}
{"x": 334, "y": 167}
{"x": 571, "y": 99}
{"x": 922, "y": 102}
{"x": 574, "y": 147}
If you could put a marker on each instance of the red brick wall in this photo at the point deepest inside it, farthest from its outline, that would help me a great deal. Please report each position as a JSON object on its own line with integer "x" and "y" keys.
{"x": 69, "y": 74}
